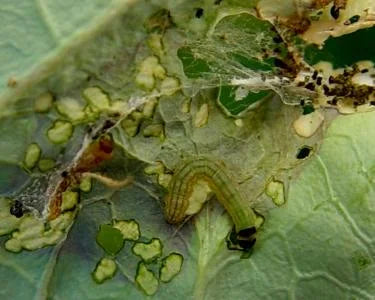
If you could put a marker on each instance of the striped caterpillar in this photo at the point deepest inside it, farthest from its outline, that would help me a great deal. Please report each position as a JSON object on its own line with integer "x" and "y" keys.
{"x": 181, "y": 187}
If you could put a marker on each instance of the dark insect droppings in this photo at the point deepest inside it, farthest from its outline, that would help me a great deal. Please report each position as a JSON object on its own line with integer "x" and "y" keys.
{"x": 319, "y": 80}
{"x": 16, "y": 209}
{"x": 279, "y": 63}
{"x": 108, "y": 124}
{"x": 335, "y": 12}
{"x": 199, "y": 13}
{"x": 352, "y": 20}
{"x": 333, "y": 101}
{"x": 310, "y": 86}
{"x": 277, "y": 39}
{"x": 303, "y": 152}
{"x": 326, "y": 89}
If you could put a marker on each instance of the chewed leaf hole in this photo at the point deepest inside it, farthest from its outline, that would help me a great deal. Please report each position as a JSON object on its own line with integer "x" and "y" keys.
{"x": 110, "y": 239}
{"x": 304, "y": 152}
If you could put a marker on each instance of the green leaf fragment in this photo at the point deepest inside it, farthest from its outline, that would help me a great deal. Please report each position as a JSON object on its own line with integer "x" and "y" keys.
{"x": 201, "y": 117}
{"x": 85, "y": 184}
{"x": 149, "y": 69}
{"x": 60, "y": 132}
{"x": 169, "y": 86}
{"x": 104, "y": 270}
{"x": 30, "y": 227}
{"x": 69, "y": 200}
{"x": 13, "y": 245}
{"x": 148, "y": 252}
{"x": 129, "y": 229}
{"x": 70, "y": 108}
{"x": 96, "y": 98}
{"x": 46, "y": 164}
{"x": 32, "y": 155}
{"x": 146, "y": 280}
{"x": 275, "y": 190}
{"x": 43, "y": 103}
{"x": 32, "y": 234}
{"x": 149, "y": 108}
{"x": 156, "y": 168}
{"x": 164, "y": 179}
{"x": 171, "y": 266}
{"x": 153, "y": 130}
{"x": 110, "y": 239}
{"x": 130, "y": 126}
{"x": 63, "y": 221}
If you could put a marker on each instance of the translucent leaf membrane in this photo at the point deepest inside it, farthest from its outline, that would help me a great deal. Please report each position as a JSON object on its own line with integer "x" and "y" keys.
{"x": 241, "y": 50}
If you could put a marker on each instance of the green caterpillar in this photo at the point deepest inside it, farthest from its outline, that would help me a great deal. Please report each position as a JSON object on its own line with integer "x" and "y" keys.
{"x": 227, "y": 193}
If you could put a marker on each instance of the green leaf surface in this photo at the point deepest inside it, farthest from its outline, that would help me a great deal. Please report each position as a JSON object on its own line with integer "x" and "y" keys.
{"x": 344, "y": 50}
{"x": 37, "y": 35}
{"x": 319, "y": 244}
{"x": 316, "y": 194}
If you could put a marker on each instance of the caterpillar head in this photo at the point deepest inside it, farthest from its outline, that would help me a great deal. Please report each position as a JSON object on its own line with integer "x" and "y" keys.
{"x": 242, "y": 240}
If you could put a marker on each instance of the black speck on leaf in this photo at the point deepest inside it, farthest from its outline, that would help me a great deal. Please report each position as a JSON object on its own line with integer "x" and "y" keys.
{"x": 303, "y": 153}
{"x": 199, "y": 13}
{"x": 335, "y": 12}
{"x": 352, "y": 20}
{"x": 277, "y": 39}
{"x": 310, "y": 86}
{"x": 319, "y": 80}
{"x": 16, "y": 209}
